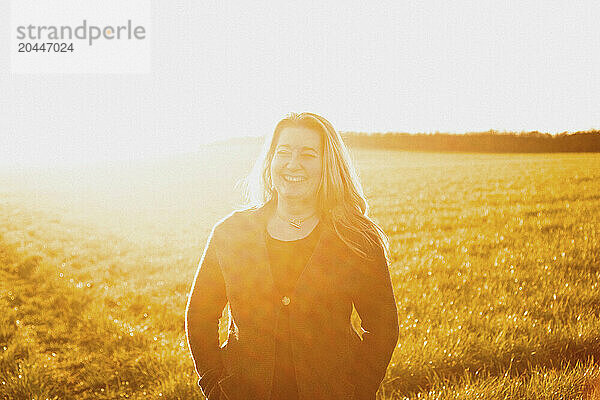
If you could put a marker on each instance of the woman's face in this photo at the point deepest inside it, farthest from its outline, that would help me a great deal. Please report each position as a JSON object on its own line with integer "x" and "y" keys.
{"x": 297, "y": 164}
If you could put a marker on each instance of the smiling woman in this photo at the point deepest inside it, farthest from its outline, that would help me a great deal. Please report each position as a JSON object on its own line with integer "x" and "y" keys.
{"x": 292, "y": 267}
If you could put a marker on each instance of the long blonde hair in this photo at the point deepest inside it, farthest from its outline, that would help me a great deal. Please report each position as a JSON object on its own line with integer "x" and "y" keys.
{"x": 340, "y": 196}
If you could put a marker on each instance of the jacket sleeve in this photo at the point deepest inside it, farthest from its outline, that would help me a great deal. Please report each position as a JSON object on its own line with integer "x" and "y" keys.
{"x": 205, "y": 305}
{"x": 375, "y": 303}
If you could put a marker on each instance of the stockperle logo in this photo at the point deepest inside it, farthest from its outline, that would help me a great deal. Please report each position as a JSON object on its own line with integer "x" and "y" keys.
{"x": 89, "y": 33}
{"x": 74, "y": 36}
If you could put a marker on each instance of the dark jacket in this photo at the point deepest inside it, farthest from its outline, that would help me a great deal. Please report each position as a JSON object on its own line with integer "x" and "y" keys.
{"x": 330, "y": 359}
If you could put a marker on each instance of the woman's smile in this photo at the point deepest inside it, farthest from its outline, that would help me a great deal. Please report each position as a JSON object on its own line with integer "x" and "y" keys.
{"x": 294, "y": 179}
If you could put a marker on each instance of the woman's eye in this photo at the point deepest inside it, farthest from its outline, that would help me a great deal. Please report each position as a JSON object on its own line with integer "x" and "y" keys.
{"x": 309, "y": 155}
{"x": 283, "y": 152}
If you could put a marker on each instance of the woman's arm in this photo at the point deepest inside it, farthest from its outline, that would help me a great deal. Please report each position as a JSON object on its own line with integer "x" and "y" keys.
{"x": 205, "y": 305}
{"x": 374, "y": 300}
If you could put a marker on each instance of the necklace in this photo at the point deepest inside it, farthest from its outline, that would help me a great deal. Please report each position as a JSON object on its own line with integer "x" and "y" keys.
{"x": 295, "y": 222}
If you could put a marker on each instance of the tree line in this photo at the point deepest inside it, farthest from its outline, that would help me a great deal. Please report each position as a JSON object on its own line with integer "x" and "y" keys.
{"x": 479, "y": 142}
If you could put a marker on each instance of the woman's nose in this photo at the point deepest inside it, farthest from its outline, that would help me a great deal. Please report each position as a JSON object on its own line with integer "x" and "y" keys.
{"x": 294, "y": 162}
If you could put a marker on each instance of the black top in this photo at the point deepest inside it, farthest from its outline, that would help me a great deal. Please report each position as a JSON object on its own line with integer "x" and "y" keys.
{"x": 287, "y": 259}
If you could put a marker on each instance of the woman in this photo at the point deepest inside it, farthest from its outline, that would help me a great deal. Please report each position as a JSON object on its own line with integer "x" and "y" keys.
{"x": 291, "y": 268}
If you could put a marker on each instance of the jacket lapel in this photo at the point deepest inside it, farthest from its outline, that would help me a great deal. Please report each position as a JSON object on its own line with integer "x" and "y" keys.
{"x": 254, "y": 274}
{"x": 253, "y": 245}
{"x": 250, "y": 240}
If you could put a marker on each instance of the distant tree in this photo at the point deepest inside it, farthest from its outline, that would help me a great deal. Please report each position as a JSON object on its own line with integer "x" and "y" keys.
{"x": 491, "y": 141}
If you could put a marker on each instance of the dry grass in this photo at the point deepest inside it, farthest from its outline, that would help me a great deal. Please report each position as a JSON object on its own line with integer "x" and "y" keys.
{"x": 495, "y": 269}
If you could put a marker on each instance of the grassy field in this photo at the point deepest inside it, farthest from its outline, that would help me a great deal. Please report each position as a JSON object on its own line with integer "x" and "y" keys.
{"x": 496, "y": 271}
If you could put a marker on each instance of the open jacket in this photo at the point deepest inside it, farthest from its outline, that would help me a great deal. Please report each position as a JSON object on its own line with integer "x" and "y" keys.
{"x": 330, "y": 359}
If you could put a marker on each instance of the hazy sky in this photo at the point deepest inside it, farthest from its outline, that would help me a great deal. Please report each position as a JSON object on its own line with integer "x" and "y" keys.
{"x": 221, "y": 69}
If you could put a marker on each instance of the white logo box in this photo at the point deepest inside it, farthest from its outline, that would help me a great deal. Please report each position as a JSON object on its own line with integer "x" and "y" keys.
{"x": 78, "y": 36}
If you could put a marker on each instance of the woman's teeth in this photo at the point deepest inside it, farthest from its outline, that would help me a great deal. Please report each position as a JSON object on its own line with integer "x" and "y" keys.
{"x": 293, "y": 178}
